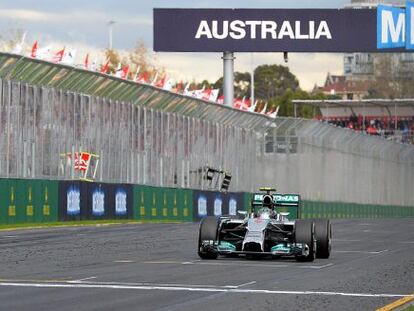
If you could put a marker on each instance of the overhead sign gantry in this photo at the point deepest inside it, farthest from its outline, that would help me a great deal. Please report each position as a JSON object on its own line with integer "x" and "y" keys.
{"x": 380, "y": 29}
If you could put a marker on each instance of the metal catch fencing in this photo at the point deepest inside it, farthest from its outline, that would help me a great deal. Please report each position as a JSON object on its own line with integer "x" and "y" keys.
{"x": 43, "y": 129}
{"x": 323, "y": 162}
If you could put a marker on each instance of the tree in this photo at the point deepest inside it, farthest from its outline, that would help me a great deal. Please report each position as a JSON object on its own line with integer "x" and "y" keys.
{"x": 241, "y": 84}
{"x": 273, "y": 80}
{"x": 393, "y": 77}
{"x": 114, "y": 59}
{"x": 139, "y": 57}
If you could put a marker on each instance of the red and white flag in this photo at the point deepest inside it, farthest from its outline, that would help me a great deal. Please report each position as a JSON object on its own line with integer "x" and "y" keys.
{"x": 19, "y": 45}
{"x": 264, "y": 109}
{"x": 136, "y": 74}
{"x": 168, "y": 85}
{"x": 122, "y": 72}
{"x": 214, "y": 94}
{"x": 187, "y": 91}
{"x": 69, "y": 57}
{"x": 105, "y": 67}
{"x": 155, "y": 79}
{"x": 34, "y": 50}
{"x": 252, "y": 108}
{"x": 161, "y": 83}
{"x": 220, "y": 100}
{"x": 57, "y": 58}
{"x": 143, "y": 78}
{"x": 86, "y": 62}
{"x": 205, "y": 95}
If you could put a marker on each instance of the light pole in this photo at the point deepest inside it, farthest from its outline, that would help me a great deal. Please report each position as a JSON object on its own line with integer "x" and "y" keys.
{"x": 110, "y": 25}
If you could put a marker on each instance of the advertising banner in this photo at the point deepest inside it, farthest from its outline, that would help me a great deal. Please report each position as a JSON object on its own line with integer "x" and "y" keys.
{"x": 213, "y": 203}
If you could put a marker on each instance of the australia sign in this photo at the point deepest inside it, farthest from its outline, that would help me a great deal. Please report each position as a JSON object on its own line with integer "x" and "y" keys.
{"x": 384, "y": 28}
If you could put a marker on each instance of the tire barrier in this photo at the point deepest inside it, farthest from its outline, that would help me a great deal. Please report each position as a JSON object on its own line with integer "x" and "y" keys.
{"x": 28, "y": 201}
{"x": 212, "y": 203}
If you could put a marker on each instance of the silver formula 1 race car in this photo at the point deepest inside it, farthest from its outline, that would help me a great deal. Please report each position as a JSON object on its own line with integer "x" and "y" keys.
{"x": 265, "y": 231}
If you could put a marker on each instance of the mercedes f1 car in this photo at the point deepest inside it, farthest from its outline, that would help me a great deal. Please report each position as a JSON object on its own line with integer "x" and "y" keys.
{"x": 265, "y": 231}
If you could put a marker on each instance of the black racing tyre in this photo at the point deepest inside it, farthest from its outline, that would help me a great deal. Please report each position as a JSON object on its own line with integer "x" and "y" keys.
{"x": 323, "y": 234}
{"x": 305, "y": 233}
{"x": 208, "y": 231}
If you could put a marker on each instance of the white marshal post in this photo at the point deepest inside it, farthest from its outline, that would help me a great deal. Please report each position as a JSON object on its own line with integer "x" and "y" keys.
{"x": 228, "y": 78}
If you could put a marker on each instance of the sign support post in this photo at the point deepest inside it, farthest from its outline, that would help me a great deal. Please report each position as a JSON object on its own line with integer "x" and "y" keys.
{"x": 228, "y": 78}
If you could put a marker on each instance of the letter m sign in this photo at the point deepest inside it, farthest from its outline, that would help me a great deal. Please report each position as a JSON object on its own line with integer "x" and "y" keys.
{"x": 395, "y": 27}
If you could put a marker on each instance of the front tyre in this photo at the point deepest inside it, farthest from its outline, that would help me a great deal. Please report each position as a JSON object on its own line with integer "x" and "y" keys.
{"x": 208, "y": 232}
{"x": 305, "y": 233}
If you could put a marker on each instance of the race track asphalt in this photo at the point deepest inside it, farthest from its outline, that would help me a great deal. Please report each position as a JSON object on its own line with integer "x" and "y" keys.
{"x": 155, "y": 267}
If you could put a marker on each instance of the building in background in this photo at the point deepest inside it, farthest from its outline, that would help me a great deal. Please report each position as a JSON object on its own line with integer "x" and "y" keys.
{"x": 364, "y": 66}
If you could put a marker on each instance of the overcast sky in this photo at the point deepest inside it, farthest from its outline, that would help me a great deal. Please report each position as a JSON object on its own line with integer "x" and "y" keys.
{"x": 83, "y": 25}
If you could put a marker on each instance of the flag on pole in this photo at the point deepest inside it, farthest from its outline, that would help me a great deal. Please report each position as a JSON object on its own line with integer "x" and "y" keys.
{"x": 252, "y": 108}
{"x": 206, "y": 94}
{"x": 43, "y": 53}
{"x": 105, "y": 67}
{"x": 122, "y": 72}
{"x": 125, "y": 72}
{"x": 264, "y": 109}
{"x": 69, "y": 57}
{"x": 57, "y": 58}
{"x": 136, "y": 74}
{"x": 199, "y": 93}
{"x": 214, "y": 94}
{"x": 187, "y": 91}
{"x": 94, "y": 65}
{"x": 155, "y": 79}
{"x": 220, "y": 99}
{"x": 143, "y": 78}
{"x": 161, "y": 83}
{"x": 86, "y": 62}
{"x": 34, "y": 50}
{"x": 19, "y": 45}
{"x": 168, "y": 85}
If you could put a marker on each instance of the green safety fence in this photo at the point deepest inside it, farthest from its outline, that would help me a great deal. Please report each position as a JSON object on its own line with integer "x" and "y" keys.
{"x": 318, "y": 209}
{"x": 169, "y": 204}
{"x": 28, "y": 201}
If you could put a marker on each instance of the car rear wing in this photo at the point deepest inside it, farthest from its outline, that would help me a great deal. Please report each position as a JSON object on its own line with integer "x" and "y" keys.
{"x": 284, "y": 203}
{"x": 278, "y": 199}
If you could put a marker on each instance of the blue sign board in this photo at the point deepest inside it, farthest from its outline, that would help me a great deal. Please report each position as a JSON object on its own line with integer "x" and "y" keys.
{"x": 385, "y": 29}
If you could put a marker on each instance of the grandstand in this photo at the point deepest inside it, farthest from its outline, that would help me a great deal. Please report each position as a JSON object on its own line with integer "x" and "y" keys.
{"x": 388, "y": 118}
{"x": 145, "y": 135}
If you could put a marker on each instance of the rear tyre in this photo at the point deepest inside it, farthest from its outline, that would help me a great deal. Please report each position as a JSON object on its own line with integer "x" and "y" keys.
{"x": 305, "y": 233}
{"x": 323, "y": 233}
{"x": 208, "y": 231}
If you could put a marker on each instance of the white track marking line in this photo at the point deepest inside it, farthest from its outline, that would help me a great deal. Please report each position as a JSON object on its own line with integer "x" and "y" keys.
{"x": 124, "y": 261}
{"x": 237, "y": 264}
{"x": 157, "y": 284}
{"x": 316, "y": 267}
{"x": 82, "y": 280}
{"x": 198, "y": 289}
{"x": 406, "y": 242}
{"x": 364, "y": 252}
{"x": 9, "y": 236}
{"x": 344, "y": 240}
{"x": 245, "y": 284}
